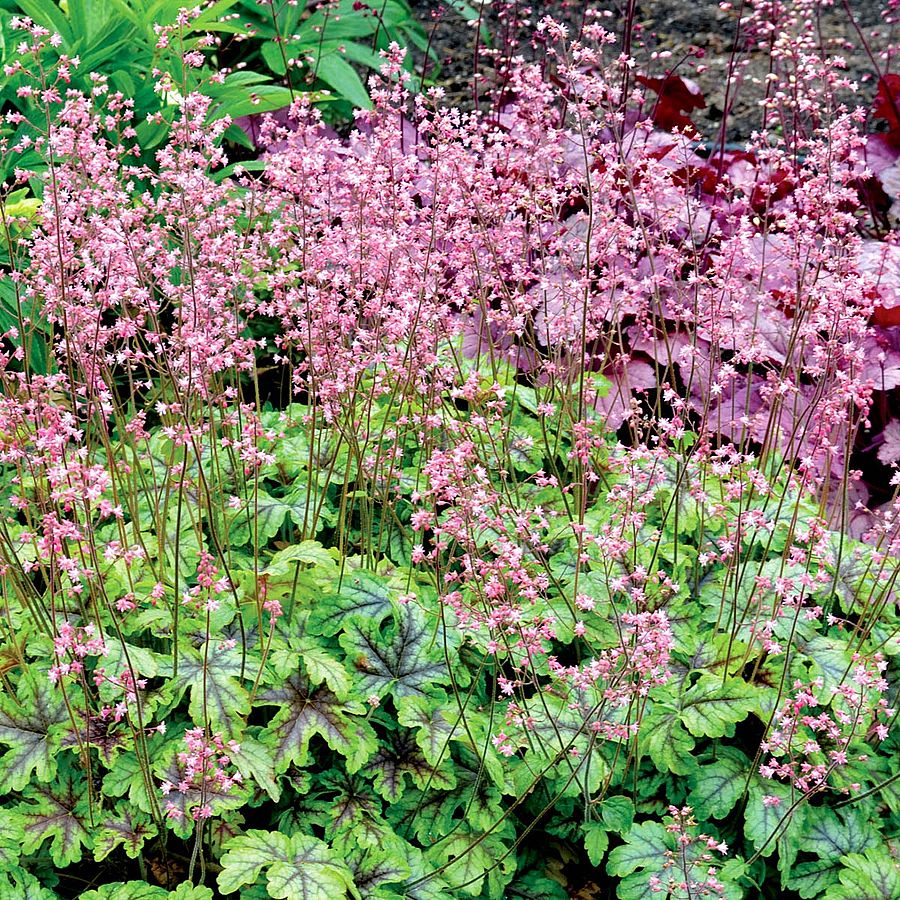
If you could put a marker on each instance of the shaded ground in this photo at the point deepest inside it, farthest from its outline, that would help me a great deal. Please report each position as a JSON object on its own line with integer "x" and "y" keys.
{"x": 670, "y": 27}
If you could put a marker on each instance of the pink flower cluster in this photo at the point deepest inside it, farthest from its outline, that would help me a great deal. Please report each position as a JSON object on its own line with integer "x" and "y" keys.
{"x": 71, "y": 646}
{"x": 816, "y": 733}
{"x": 126, "y": 684}
{"x": 688, "y": 870}
{"x": 204, "y": 772}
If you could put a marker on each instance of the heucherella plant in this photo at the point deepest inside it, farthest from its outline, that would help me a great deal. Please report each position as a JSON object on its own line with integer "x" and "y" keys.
{"x": 421, "y": 513}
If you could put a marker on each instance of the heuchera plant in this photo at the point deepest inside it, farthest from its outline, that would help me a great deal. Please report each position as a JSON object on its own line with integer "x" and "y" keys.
{"x": 462, "y": 508}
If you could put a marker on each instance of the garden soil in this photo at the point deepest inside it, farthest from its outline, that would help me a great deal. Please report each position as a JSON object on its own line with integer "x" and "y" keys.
{"x": 675, "y": 29}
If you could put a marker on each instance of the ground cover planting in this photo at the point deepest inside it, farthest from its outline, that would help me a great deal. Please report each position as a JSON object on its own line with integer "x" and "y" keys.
{"x": 496, "y": 502}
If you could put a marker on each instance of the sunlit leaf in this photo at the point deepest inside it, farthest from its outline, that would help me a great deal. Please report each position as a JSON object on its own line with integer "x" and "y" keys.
{"x": 297, "y": 868}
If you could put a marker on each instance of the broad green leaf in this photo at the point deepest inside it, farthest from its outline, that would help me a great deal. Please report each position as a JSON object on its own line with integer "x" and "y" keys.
{"x": 372, "y": 868}
{"x": 596, "y": 841}
{"x": 472, "y": 858}
{"x": 363, "y": 596}
{"x": 104, "y": 735}
{"x": 339, "y": 75}
{"x": 399, "y": 756}
{"x": 636, "y": 887}
{"x": 322, "y": 666}
{"x": 712, "y": 709}
{"x": 423, "y": 883}
{"x": 143, "y": 662}
{"x": 305, "y": 711}
{"x": 127, "y": 777}
{"x": 187, "y": 891}
{"x": 300, "y": 867}
{"x": 140, "y": 890}
{"x": 127, "y": 828}
{"x": 870, "y": 876}
{"x": 268, "y": 515}
{"x": 217, "y": 697}
{"x": 563, "y": 745}
{"x": 644, "y": 848}
{"x": 831, "y": 661}
{"x": 58, "y": 812}
{"x": 829, "y": 834}
{"x": 126, "y": 890}
{"x": 716, "y": 786}
{"x": 536, "y": 883}
{"x": 668, "y": 744}
{"x": 408, "y": 661}
{"x": 432, "y": 813}
{"x": 17, "y": 884}
{"x": 354, "y": 808}
{"x": 310, "y": 554}
{"x": 778, "y": 827}
{"x": 617, "y": 813}
{"x": 11, "y": 835}
{"x": 31, "y": 728}
{"x": 255, "y": 761}
{"x": 429, "y": 721}
{"x": 812, "y": 879}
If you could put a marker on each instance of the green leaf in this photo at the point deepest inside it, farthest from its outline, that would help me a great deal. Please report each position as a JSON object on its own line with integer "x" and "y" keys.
{"x": 17, "y": 884}
{"x": 31, "y": 726}
{"x": 307, "y": 553}
{"x": 306, "y": 711}
{"x": 140, "y": 890}
{"x": 470, "y": 858}
{"x": 869, "y": 876}
{"x": 430, "y": 814}
{"x": 341, "y": 77}
{"x": 669, "y": 745}
{"x": 236, "y": 97}
{"x": 354, "y": 808}
{"x": 423, "y": 883}
{"x": 217, "y": 697}
{"x": 269, "y": 513}
{"x": 812, "y": 879}
{"x": 596, "y": 840}
{"x": 58, "y": 812}
{"x": 247, "y": 855}
{"x": 128, "y": 828}
{"x": 363, "y": 596}
{"x": 617, "y": 813}
{"x": 374, "y": 867}
{"x": 774, "y": 827}
{"x": 429, "y": 721}
{"x": 187, "y": 891}
{"x": 127, "y": 777}
{"x": 832, "y": 834}
{"x": 398, "y": 756}
{"x": 143, "y": 662}
{"x": 300, "y": 867}
{"x": 255, "y": 761}
{"x": 126, "y": 890}
{"x": 535, "y": 882}
{"x": 321, "y": 666}
{"x": 717, "y": 786}
{"x": 831, "y": 660}
{"x": 11, "y": 835}
{"x": 644, "y": 848}
{"x": 409, "y": 661}
{"x": 712, "y": 709}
